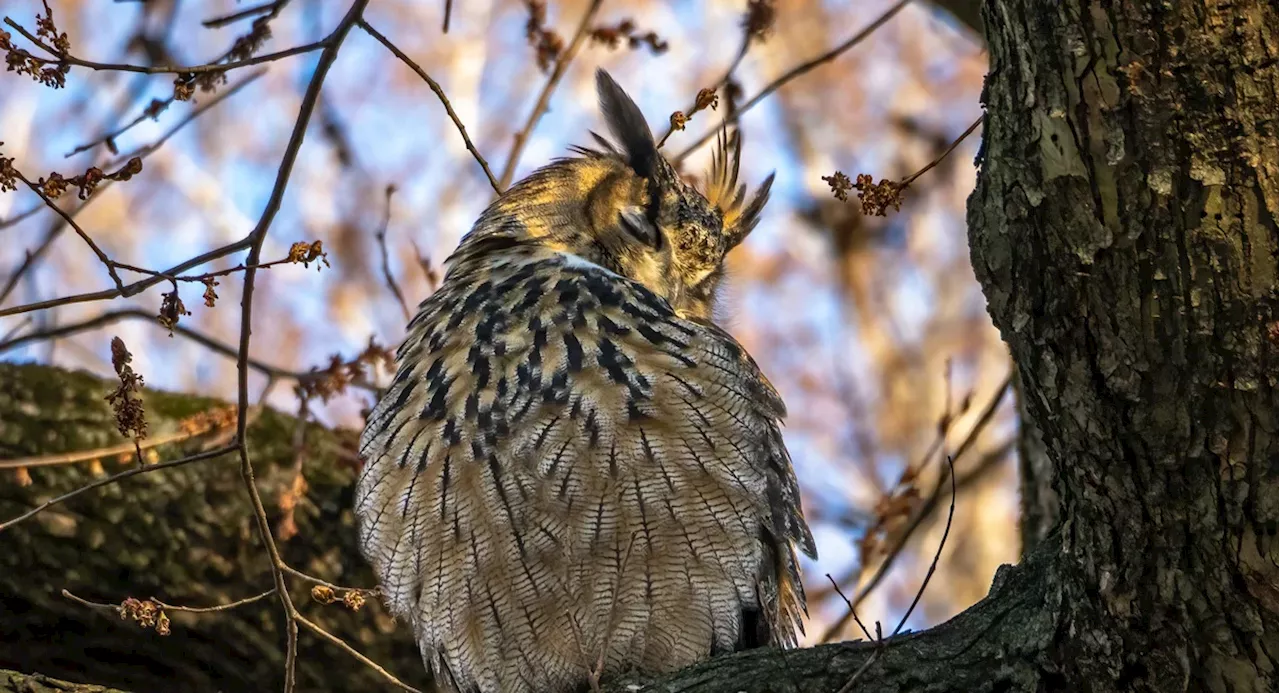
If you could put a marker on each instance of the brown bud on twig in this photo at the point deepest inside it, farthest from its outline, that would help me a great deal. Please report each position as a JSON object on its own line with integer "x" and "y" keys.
{"x": 171, "y": 309}
{"x": 124, "y": 400}
{"x": 306, "y": 253}
{"x": 840, "y": 185}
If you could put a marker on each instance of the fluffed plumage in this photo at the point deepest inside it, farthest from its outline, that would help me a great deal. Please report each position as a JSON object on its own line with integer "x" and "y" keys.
{"x": 575, "y": 473}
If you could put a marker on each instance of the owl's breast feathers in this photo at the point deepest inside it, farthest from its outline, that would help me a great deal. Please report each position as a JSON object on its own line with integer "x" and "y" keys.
{"x": 565, "y": 472}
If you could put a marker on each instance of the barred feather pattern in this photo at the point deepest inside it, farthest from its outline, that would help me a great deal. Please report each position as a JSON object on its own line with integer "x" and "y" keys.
{"x": 566, "y": 476}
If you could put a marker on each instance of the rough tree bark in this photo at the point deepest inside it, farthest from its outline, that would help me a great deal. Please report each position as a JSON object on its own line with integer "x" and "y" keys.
{"x": 1124, "y": 229}
{"x": 184, "y": 536}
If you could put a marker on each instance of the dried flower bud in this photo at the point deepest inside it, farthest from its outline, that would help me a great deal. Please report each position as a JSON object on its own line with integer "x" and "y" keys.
{"x": 878, "y": 197}
{"x": 171, "y": 309}
{"x": 124, "y": 400}
{"x": 162, "y": 624}
{"x": 353, "y": 599}
{"x": 306, "y": 253}
{"x": 210, "y": 296}
{"x": 840, "y": 185}
{"x": 706, "y": 98}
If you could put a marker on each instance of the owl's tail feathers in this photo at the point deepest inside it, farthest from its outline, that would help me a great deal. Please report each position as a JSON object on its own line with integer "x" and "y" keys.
{"x": 780, "y": 619}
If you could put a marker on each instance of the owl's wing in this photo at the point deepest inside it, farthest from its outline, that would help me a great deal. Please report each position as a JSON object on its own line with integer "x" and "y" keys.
{"x": 783, "y": 527}
{"x": 563, "y": 469}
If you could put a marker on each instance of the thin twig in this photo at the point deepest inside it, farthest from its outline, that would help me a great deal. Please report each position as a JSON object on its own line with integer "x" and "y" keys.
{"x": 886, "y": 564}
{"x": 793, "y": 73}
{"x": 448, "y": 10}
{"x": 67, "y": 59}
{"x": 544, "y": 98}
{"x": 215, "y": 22}
{"x": 327, "y": 57}
{"x": 56, "y": 229}
{"x": 429, "y": 273}
{"x": 381, "y": 238}
{"x": 134, "y": 288}
{"x": 171, "y": 607}
{"x": 852, "y": 609}
{"x": 151, "y": 112}
{"x": 31, "y": 257}
{"x": 201, "y": 278}
{"x": 956, "y": 143}
{"x": 101, "y": 606}
{"x": 342, "y": 645}
{"x": 102, "y": 257}
{"x": 24, "y": 214}
{"x": 144, "y": 151}
{"x": 132, "y": 471}
{"x": 218, "y": 98}
{"x": 444, "y": 100}
{"x": 220, "y": 607}
{"x": 317, "y": 581}
{"x": 16, "y": 329}
{"x": 720, "y": 84}
{"x": 946, "y": 531}
{"x": 200, "y": 338}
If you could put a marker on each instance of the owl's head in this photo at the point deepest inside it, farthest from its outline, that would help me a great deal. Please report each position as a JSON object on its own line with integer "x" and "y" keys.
{"x": 623, "y": 206}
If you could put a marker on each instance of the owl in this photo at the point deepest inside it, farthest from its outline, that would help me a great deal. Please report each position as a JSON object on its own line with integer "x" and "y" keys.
{"x": 575, "y": 472}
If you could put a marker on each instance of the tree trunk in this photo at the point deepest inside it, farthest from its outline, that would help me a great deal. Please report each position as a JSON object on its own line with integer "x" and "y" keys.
{"x": 1124, "y": 229}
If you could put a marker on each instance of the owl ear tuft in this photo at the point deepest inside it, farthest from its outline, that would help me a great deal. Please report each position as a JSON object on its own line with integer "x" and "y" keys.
{"x": 740, "y": 220}
{"x": 628, "y": 126}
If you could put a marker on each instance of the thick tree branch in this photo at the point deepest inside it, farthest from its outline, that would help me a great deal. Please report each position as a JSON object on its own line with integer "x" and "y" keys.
{"x": 177, "y": 534}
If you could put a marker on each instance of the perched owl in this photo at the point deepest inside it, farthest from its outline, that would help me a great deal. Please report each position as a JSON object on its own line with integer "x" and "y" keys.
{"x": 575, "y": 473}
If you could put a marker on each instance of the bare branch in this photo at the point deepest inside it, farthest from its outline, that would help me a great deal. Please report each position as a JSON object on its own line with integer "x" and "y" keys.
{"x": 223, "y": 20}
{"x": 951, "y": 513}
{"x": 151, "y": 112}
{"x": 886, "y": 564}
{"x": 317, "y": 581}
{"x": 134, "y": 288}
{"x": 256, "y": 238}
{"x": 102, "y": 257}
{"x": 544, "y": 98}
{"x": 144, "y": 151}
{"x": 98, "y": 453}
{"x": 722, "y": 82}
{"x": 853, "y": 610}
{"x": 956, "y": 143}
{"x": 57, "y": 227}
{"x": 793, "y": 73}
{"x": 132, "y": 471}
{"x": 444, "y": 100}
{"x": 171, "y": 607}
{"x": 31, "y": 257}
{"x": 381, "y": 238}
{"x": 66, "y": 59}
{"x": 354, "y": 653}
{"x": 200, "y": 338}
